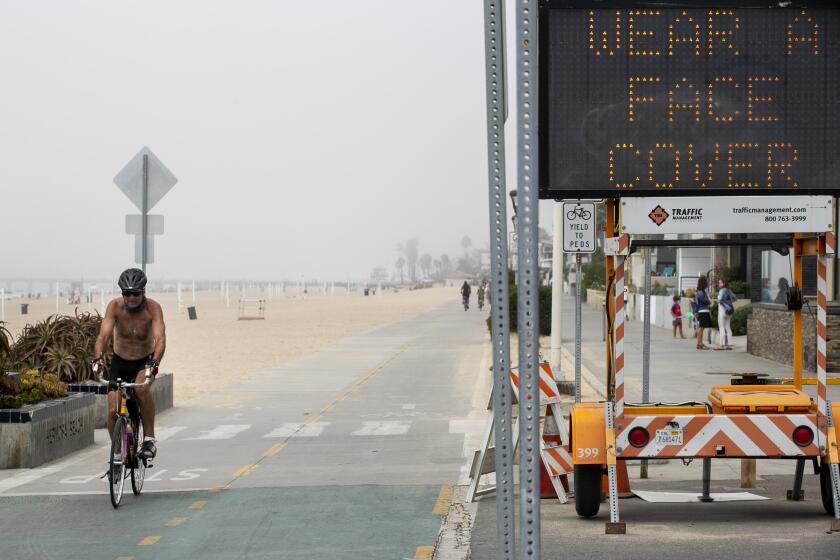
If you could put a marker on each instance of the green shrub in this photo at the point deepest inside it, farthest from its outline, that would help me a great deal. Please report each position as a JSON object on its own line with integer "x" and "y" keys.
{"x": 713, "y": 311}
{"x": 545, "y": 309}
{"x": 658, "y": 289}
{"x": 739, "y": 287}
{"x": 739, "y": 320}
{"x": 30, "y": 388}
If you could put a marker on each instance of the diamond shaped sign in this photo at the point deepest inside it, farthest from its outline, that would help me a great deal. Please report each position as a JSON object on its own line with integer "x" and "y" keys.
{"x": 130, "y": 179}
{"x": 658, "y": 215}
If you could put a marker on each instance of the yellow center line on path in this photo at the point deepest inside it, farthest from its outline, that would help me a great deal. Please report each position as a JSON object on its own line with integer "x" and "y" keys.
{"x": 444, "y": 500}
{"x": 176, "y": 521}
{"x": 218, "y": 488}
{"x": 245, "y": 471}
{"x": 150, "y": 540}
{"x": 274, "y": 449}
{"x": 424, "y": 553}
{"x": 199, "y": 504}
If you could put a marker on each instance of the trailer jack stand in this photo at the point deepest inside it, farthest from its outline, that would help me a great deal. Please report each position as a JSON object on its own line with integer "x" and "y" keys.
{"x": 797, "y": 494}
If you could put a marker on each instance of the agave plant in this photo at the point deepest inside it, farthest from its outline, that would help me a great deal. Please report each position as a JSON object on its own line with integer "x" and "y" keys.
{"x": 5, "y": 348}
{"x": 60, "y": 345}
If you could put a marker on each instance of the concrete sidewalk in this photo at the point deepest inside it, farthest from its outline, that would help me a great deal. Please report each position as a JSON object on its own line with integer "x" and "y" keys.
{"x": 679, "y": 372}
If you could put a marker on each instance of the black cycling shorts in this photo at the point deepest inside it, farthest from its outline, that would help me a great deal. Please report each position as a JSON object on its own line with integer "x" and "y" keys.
{"x": 126, "y": 370}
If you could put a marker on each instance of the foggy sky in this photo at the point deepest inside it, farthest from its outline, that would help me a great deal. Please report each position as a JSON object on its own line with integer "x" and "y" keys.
{"x": 308, "y": 137}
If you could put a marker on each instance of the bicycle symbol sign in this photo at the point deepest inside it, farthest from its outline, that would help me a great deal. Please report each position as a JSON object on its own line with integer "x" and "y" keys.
{"x": 578, "y": 227}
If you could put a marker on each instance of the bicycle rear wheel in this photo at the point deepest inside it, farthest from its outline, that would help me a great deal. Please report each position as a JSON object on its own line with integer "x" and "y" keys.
{"x": 138, "y": 465}
{"x": 116, "y": 462}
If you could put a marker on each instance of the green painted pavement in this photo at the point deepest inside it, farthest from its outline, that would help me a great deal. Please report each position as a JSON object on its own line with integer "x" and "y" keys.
{"x": 329, "y": 522}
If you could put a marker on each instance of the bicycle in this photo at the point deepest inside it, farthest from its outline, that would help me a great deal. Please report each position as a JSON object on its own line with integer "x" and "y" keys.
{"x": 480, "y": 304}
{"x": 466, "y": 302}
{"x": 578, "y": 212}
{"x": 125, "y": 438}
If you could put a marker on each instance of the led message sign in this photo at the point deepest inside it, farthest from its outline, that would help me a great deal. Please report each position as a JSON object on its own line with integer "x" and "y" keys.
{"x": 672, "y": 101}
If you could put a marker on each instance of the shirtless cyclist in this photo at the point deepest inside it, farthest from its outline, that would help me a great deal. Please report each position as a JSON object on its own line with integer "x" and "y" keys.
{"x": 136, "y": 323}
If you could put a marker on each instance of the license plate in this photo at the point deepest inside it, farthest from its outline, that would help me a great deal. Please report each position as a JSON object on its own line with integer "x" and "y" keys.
{"x": 669, "y": 436}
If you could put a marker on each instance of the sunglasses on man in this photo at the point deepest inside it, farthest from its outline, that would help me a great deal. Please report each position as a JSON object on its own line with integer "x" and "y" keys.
{"x": 132, "y": 293}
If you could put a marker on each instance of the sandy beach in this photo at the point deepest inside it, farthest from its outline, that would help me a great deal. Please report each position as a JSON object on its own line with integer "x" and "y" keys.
{"x": 218, "y": 348}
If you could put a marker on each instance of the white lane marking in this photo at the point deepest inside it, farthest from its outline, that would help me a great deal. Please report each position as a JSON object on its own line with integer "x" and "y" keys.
{"x": 31, "y": 475}
{"x": 467, "y": 426}
{"x": 225, "y": 431}
{"x": 156, "y": 476}
{"x": 163, "y": 434}
{"x": 79, "y": 479}
{"x": 187, "y": 474}
{"x": 409, "y": 406}
{"x": 298, "y": 429}
{"x": 383, "y": 428}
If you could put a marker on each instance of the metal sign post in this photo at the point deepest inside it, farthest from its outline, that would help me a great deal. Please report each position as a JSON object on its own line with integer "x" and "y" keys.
{"x": 144, "y": 180}
{"x": 494, "y": 14}
{"x": 578, "y": 327}
{"x": 643, "y": 469}
{"x": 527, "y": 46}
{"x": 578, "y": 237}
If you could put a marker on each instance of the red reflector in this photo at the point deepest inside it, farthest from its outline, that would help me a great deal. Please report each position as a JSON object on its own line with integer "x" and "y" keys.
{"x": 803, "y": 436}
{"x": 638, "y": 437}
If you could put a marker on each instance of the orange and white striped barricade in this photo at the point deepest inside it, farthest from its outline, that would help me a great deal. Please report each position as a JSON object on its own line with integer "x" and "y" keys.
{"x": 554, "y": 440}
{"x": 717, "y": 435}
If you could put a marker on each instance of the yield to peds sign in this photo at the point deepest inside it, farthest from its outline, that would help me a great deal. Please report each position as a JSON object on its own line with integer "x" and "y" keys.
{"x": 578, "y": 227}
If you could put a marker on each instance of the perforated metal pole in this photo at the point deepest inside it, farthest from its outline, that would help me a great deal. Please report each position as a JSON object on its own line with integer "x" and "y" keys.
{"x": 833, "y": 470}
{"x": 646, "y": 335}
{"x": 612, "y": 475}
{"x": 578, "y": 328}
{"x": 557, "y": 292}
{"x": 527, "y": 222}
{"x": 643, "y": 468}
{"x": 494, "y": 52}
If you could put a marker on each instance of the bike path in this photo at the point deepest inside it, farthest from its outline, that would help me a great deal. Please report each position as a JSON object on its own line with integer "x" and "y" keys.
{"x": 347, "y": 452}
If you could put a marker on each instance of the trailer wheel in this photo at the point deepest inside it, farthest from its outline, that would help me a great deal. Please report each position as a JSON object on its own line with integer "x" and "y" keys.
{"x": 825, "y": 488}
{"x": 588, "y": 489}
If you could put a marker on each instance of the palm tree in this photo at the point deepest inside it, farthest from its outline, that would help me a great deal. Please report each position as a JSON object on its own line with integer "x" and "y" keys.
{"x": 426, "y": 264}
{"x": 400, "y": 264}
{"x": 466, "y": 243}
{"x": 445, "y": 264}
{"x": 411, "y": 253}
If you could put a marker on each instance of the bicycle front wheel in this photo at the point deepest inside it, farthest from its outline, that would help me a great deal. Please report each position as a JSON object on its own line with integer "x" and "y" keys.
{"x": 116, "y": 463}
{"x": 138, "y": 465}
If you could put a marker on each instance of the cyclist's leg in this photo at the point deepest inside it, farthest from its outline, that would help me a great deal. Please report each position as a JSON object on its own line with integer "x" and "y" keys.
{"x": 147, "y": 405}
{"x": 113, "y": 402}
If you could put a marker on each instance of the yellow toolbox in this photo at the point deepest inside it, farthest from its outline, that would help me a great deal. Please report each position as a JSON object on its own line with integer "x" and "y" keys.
{"x": 760, "y": 399}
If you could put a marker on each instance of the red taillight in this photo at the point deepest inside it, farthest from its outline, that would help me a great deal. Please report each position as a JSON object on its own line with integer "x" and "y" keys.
{"x": 803, "y": 436}
{"x": 638, "y": 437}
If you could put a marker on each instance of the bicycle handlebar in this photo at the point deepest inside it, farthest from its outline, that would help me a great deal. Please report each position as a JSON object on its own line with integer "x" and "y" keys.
{"x": 97, "y": 369}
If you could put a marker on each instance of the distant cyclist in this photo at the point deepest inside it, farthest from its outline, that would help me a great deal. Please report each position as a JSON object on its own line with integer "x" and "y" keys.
{"x": 136, "y": 324}
{"x": 479, "y": 294}
{"x": 465, "y": 293}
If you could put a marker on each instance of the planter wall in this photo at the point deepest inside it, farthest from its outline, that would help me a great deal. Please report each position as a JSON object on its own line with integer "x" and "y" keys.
{"x": 770, "y": 335}
{"x": 162, "y": 392}
{"x": 35, "y": 434}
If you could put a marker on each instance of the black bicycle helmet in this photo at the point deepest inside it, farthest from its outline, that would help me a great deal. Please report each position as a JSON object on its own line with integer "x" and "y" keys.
{"x": 132, "y": 279}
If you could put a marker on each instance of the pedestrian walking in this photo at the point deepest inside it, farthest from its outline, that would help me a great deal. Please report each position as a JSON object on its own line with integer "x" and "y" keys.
{"x": 677, "y": 317}
{"x": 726, "y": 307}
{"x": 704, "y": 317}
